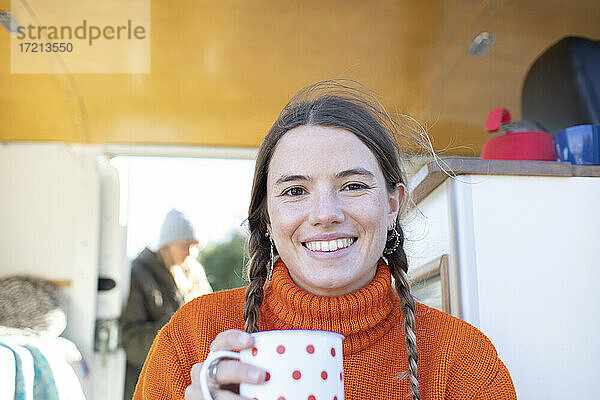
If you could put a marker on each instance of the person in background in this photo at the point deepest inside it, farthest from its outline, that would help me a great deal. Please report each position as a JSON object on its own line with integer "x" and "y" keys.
{"x": 161, "y": 282}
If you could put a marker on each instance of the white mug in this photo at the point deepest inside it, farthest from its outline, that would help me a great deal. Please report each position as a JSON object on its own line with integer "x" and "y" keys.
{"x": 300, "y": 365}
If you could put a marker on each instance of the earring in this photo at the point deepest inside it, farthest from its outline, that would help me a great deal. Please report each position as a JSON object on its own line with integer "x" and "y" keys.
{"x": 396, "y": 238}
{"x": 272, "y": 256}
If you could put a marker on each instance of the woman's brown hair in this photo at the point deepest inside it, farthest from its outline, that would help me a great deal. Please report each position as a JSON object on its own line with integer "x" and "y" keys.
{"x": 333, "y": 104}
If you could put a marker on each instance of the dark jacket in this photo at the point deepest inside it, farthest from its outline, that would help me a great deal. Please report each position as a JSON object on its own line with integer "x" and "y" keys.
{"x": 153, "y": 299}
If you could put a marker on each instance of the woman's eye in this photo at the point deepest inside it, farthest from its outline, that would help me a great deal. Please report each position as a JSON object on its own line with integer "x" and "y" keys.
{"x": 355, "y": 186}
{"x": 295, "y": 191}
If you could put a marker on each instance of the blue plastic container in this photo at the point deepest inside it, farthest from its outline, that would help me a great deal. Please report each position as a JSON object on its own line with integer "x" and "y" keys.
{"x": 578, "y": 144}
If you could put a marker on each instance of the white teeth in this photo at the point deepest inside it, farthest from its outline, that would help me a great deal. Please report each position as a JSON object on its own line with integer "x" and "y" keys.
{"x": 329, "y": 245}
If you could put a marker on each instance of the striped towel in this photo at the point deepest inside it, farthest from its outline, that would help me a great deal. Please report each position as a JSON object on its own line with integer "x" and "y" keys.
{"x": 33, "y": 376}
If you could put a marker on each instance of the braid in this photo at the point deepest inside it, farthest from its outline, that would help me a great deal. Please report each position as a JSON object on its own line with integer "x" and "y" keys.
{"x": 259, "y": 249}
{"x": 399, "y": 267}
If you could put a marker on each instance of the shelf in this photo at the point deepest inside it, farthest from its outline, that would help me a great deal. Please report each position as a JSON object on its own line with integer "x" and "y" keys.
{"x": 434, "y": 173}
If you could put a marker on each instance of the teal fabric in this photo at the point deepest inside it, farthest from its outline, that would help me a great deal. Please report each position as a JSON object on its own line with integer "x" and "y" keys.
{"x": 20, "y": 389}
{"x": 44, "y": 385}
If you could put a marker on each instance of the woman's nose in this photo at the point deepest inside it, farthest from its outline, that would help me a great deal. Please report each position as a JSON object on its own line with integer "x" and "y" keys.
{"x": 326, "y": 209}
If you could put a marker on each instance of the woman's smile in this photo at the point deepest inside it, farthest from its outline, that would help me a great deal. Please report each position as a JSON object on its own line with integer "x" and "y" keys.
{"x": 329, "y": 246}
{"x": 330, "y": 249}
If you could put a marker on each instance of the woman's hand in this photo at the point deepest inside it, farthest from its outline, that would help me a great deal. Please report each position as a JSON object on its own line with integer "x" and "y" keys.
{"x": 228, "y": 372}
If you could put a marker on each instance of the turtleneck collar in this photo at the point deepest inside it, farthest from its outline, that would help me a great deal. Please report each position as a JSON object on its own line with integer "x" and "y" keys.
{"x": 363, "y": 316}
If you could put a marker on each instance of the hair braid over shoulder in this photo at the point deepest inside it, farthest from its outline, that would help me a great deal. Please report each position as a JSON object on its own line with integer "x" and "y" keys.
{"x": 258, "y": 247}
{"x": 399, "y": 267}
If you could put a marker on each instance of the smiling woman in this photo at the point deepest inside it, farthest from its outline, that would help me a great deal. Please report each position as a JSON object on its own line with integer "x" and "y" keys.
{"x": 327, "y": 195}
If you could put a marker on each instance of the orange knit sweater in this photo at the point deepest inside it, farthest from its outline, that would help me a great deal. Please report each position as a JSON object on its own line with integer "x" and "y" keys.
{"x": 456, "y": 361}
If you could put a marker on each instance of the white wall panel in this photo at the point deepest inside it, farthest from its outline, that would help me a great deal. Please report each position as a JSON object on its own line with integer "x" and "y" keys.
{"x": 537, "y": 264}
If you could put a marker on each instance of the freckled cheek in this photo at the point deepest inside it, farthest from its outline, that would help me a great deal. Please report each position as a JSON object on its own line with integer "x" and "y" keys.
{"x": 369, "y": 214}
{"x": 373, "y": 226}
{"x": 285, "y": 222}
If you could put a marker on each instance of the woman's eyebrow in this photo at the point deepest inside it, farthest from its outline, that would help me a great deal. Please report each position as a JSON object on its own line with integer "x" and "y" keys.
{"x": 288, "y": 178}
{"x": 342, "y": 174}
{"x": 355, "y": 171}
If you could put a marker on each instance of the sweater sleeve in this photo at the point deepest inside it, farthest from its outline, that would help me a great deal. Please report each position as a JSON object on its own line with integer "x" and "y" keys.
{"x": 478, "y": 373}
{"x": 500, "y": 387}
{"x": 162, "y": 376}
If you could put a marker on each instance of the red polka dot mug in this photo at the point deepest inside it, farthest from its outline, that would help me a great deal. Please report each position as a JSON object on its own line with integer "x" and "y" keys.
{"x": 300, "y": 364}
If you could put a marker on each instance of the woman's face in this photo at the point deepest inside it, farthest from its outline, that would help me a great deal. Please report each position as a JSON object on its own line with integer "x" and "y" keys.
{"x": 329, "y": 209}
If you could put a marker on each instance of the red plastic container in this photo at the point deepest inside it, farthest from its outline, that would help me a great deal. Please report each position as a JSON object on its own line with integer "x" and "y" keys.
{"x": 520, "y": 145}
{"x": 529, "y": 145}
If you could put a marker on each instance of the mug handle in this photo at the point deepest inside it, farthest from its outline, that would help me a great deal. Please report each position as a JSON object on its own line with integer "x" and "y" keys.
{"x": 211, "y": 358}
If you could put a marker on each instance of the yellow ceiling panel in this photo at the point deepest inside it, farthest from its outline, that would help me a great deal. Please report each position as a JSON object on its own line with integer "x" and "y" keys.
{"x": 221, "y": 71}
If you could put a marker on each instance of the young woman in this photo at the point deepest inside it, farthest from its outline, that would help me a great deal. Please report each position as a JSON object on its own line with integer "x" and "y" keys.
{"x": 326, "y": 199}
